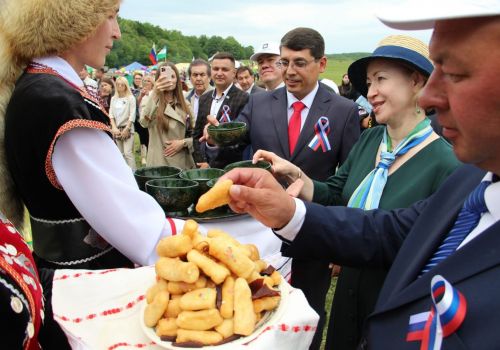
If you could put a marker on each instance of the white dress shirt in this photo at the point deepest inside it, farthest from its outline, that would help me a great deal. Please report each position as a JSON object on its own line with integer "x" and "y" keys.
{"x": 307, "y": 101}
{"x": 217, "y": 101}
{"x": 98, "y": 181}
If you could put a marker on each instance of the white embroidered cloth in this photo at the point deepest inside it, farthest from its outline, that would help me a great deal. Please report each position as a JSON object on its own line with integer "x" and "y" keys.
{"x": 101, "y": 310}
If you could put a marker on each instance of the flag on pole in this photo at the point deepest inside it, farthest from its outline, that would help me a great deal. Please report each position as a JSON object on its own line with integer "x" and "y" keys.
{"x": 152, "y": 55}
{"x": 162, "y": 55}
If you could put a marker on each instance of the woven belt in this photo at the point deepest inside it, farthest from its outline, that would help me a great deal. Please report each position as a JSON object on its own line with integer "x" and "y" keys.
{"x": 67, "y": 242}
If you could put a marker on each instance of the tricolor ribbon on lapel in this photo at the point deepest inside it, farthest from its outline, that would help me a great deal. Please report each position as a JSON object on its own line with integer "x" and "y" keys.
{"x": 226, "y": 114}
{"x": 321, "y": 130}
{"x": 447, "y": 314}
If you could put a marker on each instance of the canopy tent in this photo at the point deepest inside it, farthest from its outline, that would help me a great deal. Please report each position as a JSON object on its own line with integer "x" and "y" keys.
{"x": 133, "y": 67}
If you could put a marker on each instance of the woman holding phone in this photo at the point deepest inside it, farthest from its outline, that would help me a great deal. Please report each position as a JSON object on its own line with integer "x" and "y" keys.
{"x": 168, "y": 117}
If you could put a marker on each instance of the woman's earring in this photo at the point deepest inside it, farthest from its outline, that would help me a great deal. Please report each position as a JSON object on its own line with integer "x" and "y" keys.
{"x": 417, "y": 108}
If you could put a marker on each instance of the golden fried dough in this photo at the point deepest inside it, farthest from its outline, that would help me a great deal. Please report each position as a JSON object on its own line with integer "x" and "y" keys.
{"x": 216, "y": 197}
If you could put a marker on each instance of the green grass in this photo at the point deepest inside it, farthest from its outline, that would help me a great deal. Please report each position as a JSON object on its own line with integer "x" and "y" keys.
{"x": 335, "y": 69}
{"x": 328, "y": 305}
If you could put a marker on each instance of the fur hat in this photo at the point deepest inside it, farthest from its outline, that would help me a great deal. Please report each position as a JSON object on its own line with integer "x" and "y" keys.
{"x": 31, "y": 29}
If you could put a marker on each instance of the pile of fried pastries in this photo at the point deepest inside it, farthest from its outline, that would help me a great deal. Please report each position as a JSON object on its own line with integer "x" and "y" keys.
{"x": 210, "y": 290}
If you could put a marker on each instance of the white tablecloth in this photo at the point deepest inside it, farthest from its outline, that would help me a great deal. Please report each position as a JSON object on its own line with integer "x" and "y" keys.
{"x": 101, "y": 310}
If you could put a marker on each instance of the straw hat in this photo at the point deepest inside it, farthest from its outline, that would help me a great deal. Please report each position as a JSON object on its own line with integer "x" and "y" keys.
{"x": 401, "y": 48}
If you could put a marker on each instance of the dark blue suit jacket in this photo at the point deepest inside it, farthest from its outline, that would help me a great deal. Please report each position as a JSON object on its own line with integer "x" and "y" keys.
{"x": 267, "y": 120}
{"x": 407, "y": 238}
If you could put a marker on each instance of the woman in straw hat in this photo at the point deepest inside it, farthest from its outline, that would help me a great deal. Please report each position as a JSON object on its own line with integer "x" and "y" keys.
{"x": 391, "y": 166}
{"x": 59, "y": 158}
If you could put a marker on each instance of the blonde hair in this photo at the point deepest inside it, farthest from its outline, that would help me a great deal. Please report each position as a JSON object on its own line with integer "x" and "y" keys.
{"x": 124, "y": 81}
{"x": 31, "y": 29}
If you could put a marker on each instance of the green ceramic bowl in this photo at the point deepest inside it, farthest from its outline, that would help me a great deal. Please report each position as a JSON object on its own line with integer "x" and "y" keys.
{"x": 143, "y": 175}
{"x": 202, "y": 176}
{"x": 227, "y": 134}
{"x": 175, "y": 196}
{"x": 248, "y": 164}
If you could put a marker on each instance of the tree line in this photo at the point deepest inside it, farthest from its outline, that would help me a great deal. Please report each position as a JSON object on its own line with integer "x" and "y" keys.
{"x": 138, "y": 38}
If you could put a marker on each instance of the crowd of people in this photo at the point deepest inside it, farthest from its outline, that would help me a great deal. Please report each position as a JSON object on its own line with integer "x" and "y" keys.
{"x": 360, "y": 178}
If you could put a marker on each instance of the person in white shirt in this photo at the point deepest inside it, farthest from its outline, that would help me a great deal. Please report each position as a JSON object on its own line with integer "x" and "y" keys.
{"x": 122, "y": 113}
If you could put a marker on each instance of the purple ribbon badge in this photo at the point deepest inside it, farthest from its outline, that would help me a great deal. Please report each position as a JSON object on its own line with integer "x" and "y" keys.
{"x": 226, "y": 114}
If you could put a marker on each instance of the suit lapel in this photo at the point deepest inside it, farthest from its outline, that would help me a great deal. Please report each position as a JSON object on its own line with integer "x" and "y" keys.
{"x": 319, "y": 108}
{"x": 419, "y": 247}
{"x": 175, "y": 114}
{"x": 279, "y": 115}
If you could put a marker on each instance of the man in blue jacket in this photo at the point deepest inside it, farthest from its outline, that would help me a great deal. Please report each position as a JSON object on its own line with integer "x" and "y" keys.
{"x": 441, "y": 291}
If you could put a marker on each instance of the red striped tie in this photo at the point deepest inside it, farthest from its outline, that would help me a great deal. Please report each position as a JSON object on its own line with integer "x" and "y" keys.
{"x": 294, "y": 125}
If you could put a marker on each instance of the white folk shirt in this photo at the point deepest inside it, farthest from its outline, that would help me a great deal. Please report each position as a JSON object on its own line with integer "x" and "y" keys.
{"x": 102, "y": 187}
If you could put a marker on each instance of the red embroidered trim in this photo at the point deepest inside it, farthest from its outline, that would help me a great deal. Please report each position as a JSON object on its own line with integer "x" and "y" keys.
{"x": 285, "y": 328}
{"x": 77, "y": 275}
{"x": 13, "y": 273}
{"x": 108, "y": 312}
{"x": 173, "y": 229}
{"x": 116, "y": 346}
{"x": 72, "y": 124}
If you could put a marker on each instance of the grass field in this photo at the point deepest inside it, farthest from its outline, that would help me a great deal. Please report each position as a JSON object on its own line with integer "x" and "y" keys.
{"x": 335, "y": 69}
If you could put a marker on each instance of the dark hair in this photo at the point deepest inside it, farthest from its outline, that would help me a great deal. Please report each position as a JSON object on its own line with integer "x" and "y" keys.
{"x": 304, "y": 38}
{"x": 200, "y": 62}
{"x": 224, "y": 56}
{"x": 242, "y": 69}
{"x": 178, "y": 96}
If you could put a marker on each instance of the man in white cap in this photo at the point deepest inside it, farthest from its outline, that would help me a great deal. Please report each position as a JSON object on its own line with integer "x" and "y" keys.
{"x": 441, "y": 291}
{"x": 267, "y": 59}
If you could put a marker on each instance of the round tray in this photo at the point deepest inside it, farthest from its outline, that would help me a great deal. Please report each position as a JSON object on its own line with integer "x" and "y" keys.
{"x": 269, "y": 318}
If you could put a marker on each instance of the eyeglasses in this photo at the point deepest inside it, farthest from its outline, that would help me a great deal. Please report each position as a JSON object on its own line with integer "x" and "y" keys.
{"x": 298, "y": 64}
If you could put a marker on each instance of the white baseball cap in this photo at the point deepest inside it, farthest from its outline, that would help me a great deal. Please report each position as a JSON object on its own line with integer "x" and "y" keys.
{"x": 421, "y": 14}
{"x": 266, "y": 49}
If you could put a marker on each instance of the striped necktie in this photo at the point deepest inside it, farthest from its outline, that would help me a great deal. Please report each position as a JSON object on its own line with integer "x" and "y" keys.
{"x": 467, "y": 220}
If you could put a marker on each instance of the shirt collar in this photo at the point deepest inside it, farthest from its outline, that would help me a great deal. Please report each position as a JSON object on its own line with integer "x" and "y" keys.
{"x": 307, "y": 100}
{"x": 62, "y": 67}
{"x": 492, "y": 197}
{"x": 250, "y": 89}
{"x": 214, "y": 92}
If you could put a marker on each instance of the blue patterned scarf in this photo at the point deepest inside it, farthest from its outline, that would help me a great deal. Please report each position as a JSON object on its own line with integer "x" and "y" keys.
{"x": 367, "y": 195}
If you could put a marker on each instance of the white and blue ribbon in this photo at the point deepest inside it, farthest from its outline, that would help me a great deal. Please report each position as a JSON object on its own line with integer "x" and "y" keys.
{"x": 450, "y": 307}
{"x": 320, "y": 139}
{"x": 226, "y": 114}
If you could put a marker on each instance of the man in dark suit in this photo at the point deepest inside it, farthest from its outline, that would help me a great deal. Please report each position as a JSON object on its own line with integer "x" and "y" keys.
{"x": 270, "y": 117}
{"x": 225, "y": 102}
{"x": 245, "y": 78}
{"x": 441, "y": 291}
{"x": 199, "y": 74}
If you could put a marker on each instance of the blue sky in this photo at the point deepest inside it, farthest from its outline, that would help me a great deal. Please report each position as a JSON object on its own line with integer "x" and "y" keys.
{"x": 346, "y": 25}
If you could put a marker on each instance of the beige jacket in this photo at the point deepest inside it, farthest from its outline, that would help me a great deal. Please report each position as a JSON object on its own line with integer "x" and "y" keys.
{"x": 157, "y": 138}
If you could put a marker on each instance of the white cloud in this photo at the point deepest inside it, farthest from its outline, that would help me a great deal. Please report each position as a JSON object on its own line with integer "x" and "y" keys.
{"x": 347, "y": 26}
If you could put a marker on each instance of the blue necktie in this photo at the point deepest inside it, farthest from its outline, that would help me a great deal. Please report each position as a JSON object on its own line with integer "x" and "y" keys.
{"x": 467, "y": 220}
